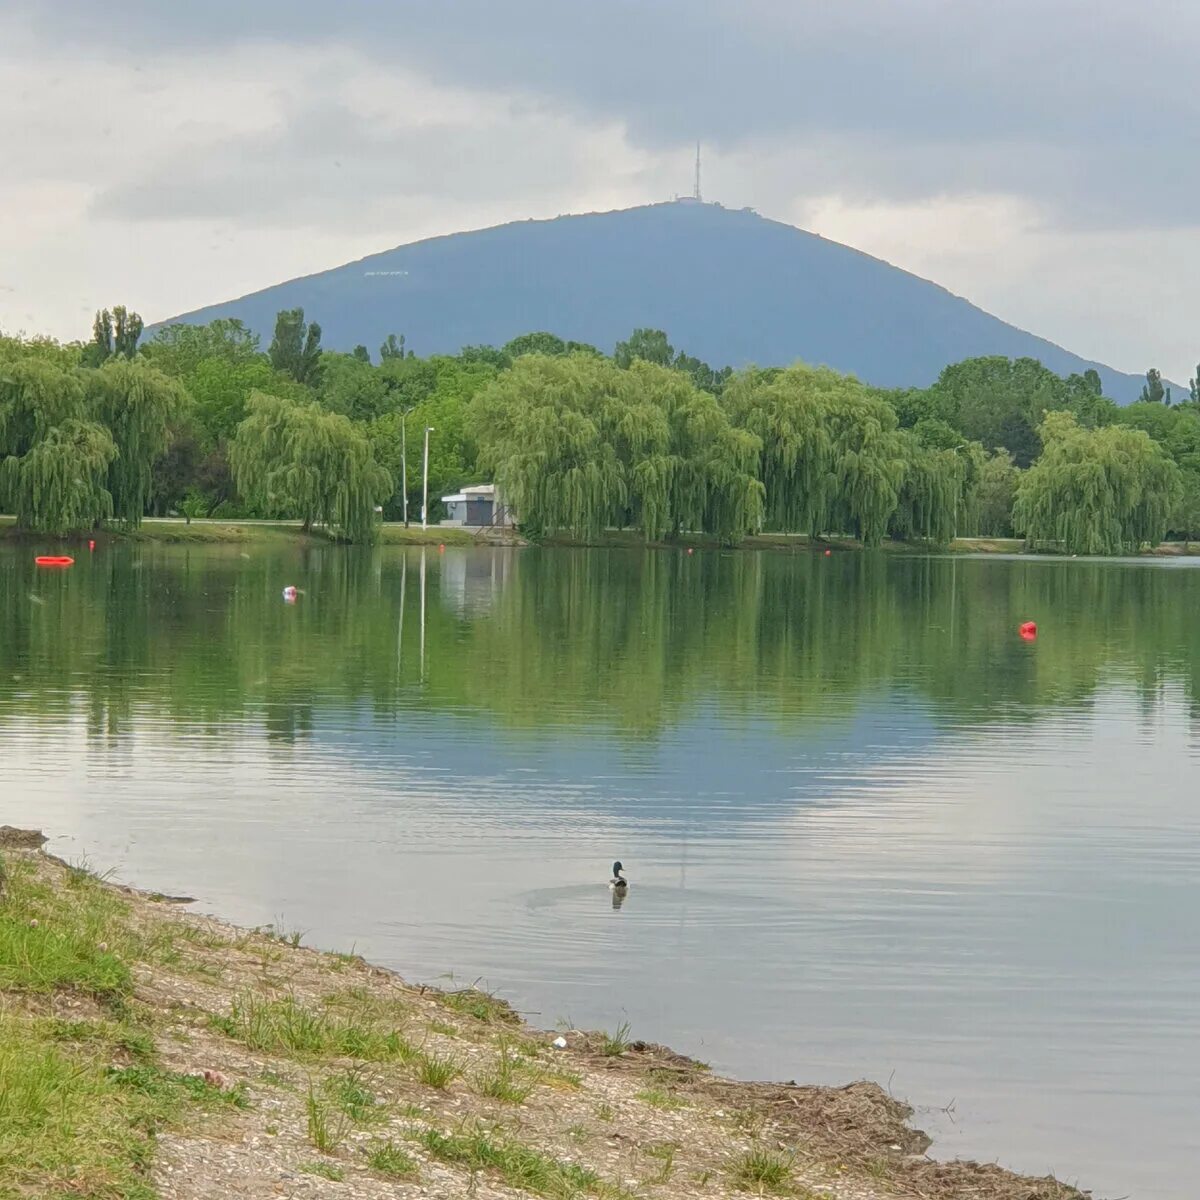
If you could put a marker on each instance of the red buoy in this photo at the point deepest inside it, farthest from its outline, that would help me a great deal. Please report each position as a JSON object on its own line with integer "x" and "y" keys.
{"x": 91, "y": 545}
{"x": 689, "y": 550}
{"x": 54, "y": 560}
{"x": 1028, "y": 630}
{"x": 442, "y": 548}
{"x": 828, "y": 553}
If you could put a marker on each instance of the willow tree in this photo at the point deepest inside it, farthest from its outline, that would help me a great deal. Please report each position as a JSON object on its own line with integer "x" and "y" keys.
{"x": 688, "y": 468}
{"x": 540, "y": 428}
{"x": 53, "y": 460}
{"x": 298, "y": 460}
{"x": 869, "y": 462}
{"x": 137, "y": 403}
{"x": 786, "y": 410}
{"x": 931, "y": 493}
{"x": 578, "y": 444}
{"x": 832, "y": 459}
{"x": 997, "y": 493}
{"x": 1104, "y": 491}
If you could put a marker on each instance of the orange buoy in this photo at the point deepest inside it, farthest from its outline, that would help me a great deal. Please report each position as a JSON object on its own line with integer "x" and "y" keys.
{"x": 442, "y": 548}
{"x": 1028, "y": 630}
{"x": 54, "y": 560}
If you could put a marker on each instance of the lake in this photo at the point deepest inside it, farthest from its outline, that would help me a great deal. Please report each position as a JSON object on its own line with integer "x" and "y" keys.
{"x": 870, "y": 831}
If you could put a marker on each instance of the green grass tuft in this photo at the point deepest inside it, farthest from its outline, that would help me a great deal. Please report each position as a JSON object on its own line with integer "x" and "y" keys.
{"x": 115, "y": 1037}
{"x": 662, "y": 1099}
{"x": 436, "y": 1070}
{"x": 349, "y": 1093}
{"x": 483, "y": 1006}
{"x": 521, "y": 1167}
{"x": 762, "y": 1171}
{"x": 508, "y": 1080}
{"x": 330, "y": 1171}
{"x": 287, "y": 1026}
{"x": 169, "y": 1088}
{"x": 616, "y": 1043}
{"x": 388, "y": 1159}
{"x": 564, "y": 1080}
{"x": 665, "y": 1154}
{"x": 327, "y": 1125}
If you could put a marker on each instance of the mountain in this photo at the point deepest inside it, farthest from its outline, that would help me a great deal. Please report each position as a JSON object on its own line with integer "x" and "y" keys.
{"x": 728, "y": 286}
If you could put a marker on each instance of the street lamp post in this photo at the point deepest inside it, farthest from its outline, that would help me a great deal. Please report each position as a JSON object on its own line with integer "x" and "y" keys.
{"x": 404, "y": 459}
{"x": 425, "y": 484}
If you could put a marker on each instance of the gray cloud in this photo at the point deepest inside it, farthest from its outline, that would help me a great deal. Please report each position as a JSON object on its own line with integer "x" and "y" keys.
{"x": 326, "y": 163}
{"x": 1081, "y": 106}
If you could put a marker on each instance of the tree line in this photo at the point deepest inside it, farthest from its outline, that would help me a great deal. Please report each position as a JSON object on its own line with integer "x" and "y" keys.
{"x": 201, "y": 421}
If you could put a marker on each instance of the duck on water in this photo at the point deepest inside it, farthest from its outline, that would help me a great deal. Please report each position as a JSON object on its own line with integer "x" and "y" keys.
{"x": 618, "y": 883}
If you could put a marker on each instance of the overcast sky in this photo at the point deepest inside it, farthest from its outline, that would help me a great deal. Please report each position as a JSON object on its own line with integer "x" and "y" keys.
{"x": 1035, "y": 156}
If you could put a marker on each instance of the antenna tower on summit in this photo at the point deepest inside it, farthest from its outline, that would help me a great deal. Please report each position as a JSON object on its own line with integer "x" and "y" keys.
{"x": 696, "y": 193}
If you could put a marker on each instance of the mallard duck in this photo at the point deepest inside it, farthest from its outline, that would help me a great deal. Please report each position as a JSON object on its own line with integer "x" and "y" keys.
{"x": 616, "y": 882}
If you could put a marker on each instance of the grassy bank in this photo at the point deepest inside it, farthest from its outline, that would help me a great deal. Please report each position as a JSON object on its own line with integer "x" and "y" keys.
{"x": 200, "y": 532}
{"x": 176, "y": 531}
{"x": 146, "y": 1051}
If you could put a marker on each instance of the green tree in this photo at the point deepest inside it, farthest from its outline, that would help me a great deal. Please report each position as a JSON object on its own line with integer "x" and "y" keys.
{"x": 1105, "y": 491}
{"x": 392, "y": 347}
{"x": 294, "y": 459}
{"x": 181, "y": 349}
{"x": 362, "y": 354}
{"x": 914, "y": 405}
{"x": 832, "y": 458}
{"x": 998, "y": 482}
{"x": 487, "y": 355}
{"x": 702, "y": 375}
{"x": 999, "y": 402}
{"x": 1194, "y": 386}
{"x": 100, "y": 348}
{"x": 137, "y": 404}
{"x": 1185, "y": 517}
{"x": 646, "y": 345}
{"x": 113, "y": 333}
{"x": 54, "y": 461}
{"x": 219, "y": 389}
{"x": 353, "y": 387}
{"x": 930, "y": 496}
{"x": 296, "y": 347}
{"x": 1153, "y": 392}
{"x": 436, "y": 392}
{"x": 576, "y": 443}
{"x": 176, "y": 470}
{"x": 127, "y": 332}
{"x": 535, "y": 343}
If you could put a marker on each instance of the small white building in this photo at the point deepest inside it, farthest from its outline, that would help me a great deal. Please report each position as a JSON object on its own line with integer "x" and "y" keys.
{"x": 477, "y": 507}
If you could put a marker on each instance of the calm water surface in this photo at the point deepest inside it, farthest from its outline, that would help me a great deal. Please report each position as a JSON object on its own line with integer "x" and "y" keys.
{"x": 870, "y": 832}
